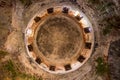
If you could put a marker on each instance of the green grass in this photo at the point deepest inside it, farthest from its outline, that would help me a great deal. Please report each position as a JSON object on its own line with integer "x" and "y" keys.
{"x": 9, "y": 69}
{"x": 9, "y": 66}
{"x": 101, "y": 67}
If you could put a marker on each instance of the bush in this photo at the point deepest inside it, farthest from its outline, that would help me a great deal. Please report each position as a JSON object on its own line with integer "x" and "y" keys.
{"x": 101, "y": 67}
{"x": 9, "y": 66}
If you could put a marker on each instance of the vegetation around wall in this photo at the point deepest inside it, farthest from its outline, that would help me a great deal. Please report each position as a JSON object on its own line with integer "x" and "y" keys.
{"x": 101, "y": 67}
{"x": 10, "y": 70}
{"x": 108, "y": 16}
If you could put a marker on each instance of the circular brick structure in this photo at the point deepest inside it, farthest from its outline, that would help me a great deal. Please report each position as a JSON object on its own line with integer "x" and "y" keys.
{"x": 59, "y": 39}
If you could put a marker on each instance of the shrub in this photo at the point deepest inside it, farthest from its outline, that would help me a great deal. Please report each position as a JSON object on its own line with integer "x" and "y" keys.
{"x": 101, "y": 67}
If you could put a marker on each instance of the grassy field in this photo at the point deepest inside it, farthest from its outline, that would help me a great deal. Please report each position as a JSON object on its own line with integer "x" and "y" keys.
{"x": 10, "y": 71}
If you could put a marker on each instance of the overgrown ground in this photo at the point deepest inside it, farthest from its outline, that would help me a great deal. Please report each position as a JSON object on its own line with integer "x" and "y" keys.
{"x": 9, "y": 70}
